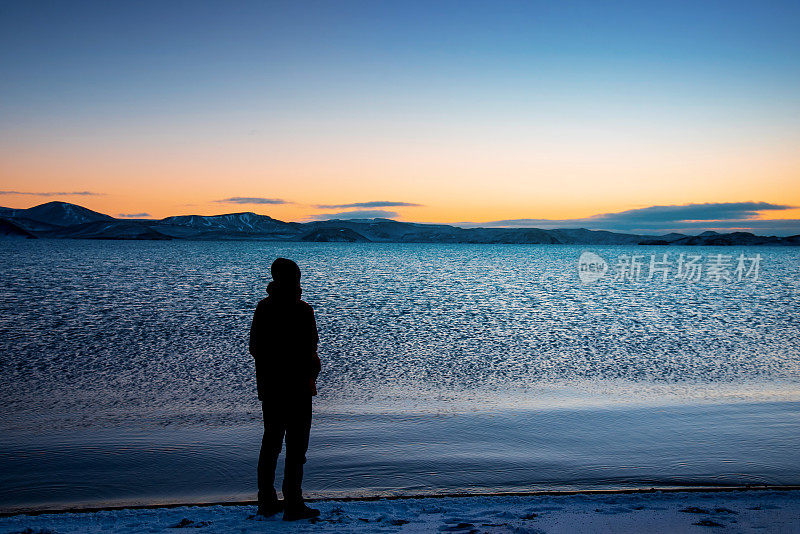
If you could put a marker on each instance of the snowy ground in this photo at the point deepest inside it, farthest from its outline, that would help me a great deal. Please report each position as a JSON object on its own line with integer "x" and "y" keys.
{"x": 745, "y": 511}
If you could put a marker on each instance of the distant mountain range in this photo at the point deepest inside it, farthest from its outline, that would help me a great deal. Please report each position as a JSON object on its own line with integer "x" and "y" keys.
{"x": 62, "y": 220}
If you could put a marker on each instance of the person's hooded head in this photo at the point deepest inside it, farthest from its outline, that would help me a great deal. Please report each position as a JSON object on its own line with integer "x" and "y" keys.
{"x": 285, "y": 280}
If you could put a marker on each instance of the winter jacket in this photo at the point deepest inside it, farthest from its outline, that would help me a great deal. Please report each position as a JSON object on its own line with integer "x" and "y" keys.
{"x": 283, "y": 342}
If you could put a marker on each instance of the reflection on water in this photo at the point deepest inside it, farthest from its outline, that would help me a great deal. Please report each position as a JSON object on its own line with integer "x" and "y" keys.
{"x": 146, "y": 336}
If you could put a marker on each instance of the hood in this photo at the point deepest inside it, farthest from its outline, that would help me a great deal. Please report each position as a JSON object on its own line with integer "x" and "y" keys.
{"x": 284, "y": 292}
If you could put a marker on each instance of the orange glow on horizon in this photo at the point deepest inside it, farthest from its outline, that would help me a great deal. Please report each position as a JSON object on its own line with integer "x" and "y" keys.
{"x": 452, "y": 184}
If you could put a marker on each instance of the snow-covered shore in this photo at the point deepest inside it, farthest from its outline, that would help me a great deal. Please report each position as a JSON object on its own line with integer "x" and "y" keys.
{"x": 735, "y": 511}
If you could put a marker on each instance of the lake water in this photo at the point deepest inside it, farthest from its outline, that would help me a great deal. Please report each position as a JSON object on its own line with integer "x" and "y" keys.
{"x": 126, "y": 377}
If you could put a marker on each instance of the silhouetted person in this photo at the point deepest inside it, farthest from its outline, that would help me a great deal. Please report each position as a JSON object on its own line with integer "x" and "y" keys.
{"x": 283, "y": 342}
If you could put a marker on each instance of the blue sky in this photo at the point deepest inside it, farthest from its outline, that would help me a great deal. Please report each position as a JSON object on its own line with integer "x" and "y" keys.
{"x": 454, "y": 111}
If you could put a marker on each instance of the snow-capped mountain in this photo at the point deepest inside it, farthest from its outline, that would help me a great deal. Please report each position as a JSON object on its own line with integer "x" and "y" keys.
{"x": 60, "y": 214}
{"x": 247, "y": 222}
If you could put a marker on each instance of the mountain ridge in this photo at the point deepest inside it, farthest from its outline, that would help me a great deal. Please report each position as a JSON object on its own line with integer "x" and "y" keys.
{"x": 62, "y": 220}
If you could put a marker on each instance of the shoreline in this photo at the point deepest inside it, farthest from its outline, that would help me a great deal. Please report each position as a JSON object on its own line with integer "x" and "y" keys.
{"x": 376, "y": 498}
{"x": 756, "y": 509}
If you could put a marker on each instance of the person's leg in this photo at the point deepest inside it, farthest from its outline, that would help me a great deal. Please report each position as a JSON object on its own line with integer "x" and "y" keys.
{"x": 298, "y": 427}
{"x": 271, "y": 444}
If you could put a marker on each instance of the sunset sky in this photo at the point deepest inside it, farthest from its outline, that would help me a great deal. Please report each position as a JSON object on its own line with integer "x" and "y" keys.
{"x": 460, "y": 112}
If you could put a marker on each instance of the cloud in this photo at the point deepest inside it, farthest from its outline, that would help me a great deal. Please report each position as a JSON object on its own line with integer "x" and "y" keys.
{"x": 356, "y": 214}
{"x": 252, "y": 200}
{"x": 723, "y": 216}
{"x": 133, "y": 215}
{"x": 370, "y": 204}
{"x": 712, "y": 211}
{"x": 53, "y": 193}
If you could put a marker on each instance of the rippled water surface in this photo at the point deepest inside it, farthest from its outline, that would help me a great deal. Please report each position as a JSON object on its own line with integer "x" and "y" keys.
{"x": 102, "y": 340}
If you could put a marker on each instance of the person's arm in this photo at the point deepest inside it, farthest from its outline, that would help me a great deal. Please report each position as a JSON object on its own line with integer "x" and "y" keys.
{"x": 255, "y": 332}
{"x": 316, "y": 363}
{"x": 256, "y": 346}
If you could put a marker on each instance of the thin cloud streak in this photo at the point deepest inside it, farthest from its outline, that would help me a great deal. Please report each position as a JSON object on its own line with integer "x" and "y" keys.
{"x": 356, "y": 214}
{"x": 133, "y": 215}
{"x": 252, "y": 200}
{"x": 370, "y": 204}
{"x": 53, "y": 193}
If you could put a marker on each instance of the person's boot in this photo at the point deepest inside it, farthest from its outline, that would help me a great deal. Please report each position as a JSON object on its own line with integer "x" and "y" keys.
{"x": 299, "y": 511}
{"x": 269, "y": 508}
